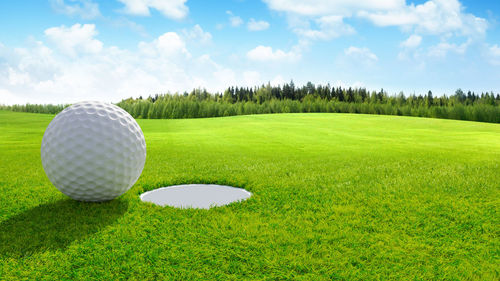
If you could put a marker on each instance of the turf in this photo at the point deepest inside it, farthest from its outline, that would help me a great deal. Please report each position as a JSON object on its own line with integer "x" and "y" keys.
{"x": 335, "y": 196}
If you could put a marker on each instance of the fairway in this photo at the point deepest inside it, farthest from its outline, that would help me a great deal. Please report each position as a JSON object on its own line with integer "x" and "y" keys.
{"x": 334, "y": 196}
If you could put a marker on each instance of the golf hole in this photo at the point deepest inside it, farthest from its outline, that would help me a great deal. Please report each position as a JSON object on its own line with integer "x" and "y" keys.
{"x": 201, "y": 196}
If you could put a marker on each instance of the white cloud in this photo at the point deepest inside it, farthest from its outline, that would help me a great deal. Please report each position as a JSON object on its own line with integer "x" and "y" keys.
{"x": 86, "y": 9}
{"x": 436, "y": 17}
{"x": 219, "y": 76}
{"x": 36, "y": 60}
{"x": 17, "y": 77}
{"x": 363, "y": 55}
{"x": 77, "y": 38}
{"x": 125, "y": 22}
{"x": 174, "y": 9}
{"x": 494, "y": 54}
{"x": 432, "y": 17}
{"x": 416, "y": 54}
{"x": 8, "y": 98}
{"x": 39, "y": 73}
{"x": 197, "y": 34}
{"x": 254, "y": 25}
{"x": 442, "y": 49}
{"x": 329, "y": 27}
{"x": 495, "y": 50}
{"x": 169, "y": 45}
{"x": 266, "y": 54}
{"x": 412, "y": 42}
{"x": 234, "y": 20}
{"x": 331, "y": 7}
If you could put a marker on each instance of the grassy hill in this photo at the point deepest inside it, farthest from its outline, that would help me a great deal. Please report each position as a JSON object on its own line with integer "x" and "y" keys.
{"x": 335, "y": 196}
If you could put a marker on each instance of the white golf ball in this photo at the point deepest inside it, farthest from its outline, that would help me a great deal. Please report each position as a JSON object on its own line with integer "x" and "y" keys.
{"x": 93, "y": 151}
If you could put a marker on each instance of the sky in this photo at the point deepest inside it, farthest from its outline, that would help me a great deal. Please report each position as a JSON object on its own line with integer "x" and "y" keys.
{"x": 64, "y": 51}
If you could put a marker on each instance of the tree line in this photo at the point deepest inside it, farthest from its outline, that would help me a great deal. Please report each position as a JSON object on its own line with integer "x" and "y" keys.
{"x": 288, "y": 98}
{"x": 35, "y": 108}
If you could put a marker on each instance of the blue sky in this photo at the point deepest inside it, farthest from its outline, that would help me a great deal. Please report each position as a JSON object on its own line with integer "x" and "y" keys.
{"x": 63, "y": 51}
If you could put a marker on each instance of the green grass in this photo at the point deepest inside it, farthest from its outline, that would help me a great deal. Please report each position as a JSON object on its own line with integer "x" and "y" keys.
{"x": 335, "y": 196}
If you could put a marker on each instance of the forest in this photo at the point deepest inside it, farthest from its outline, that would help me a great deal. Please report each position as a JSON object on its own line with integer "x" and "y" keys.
{"x": 265, "y": 99}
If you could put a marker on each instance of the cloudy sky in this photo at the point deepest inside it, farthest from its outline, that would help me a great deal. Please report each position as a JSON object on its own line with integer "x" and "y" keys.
{"x": 62, "y": 51}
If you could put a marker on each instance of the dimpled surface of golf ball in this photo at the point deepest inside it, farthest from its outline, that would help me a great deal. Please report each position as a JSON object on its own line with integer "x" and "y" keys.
{"x": 93, "y": 151}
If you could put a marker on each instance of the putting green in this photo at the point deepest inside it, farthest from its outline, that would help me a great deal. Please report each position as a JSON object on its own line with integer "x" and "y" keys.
{"x": 334, "y": 196}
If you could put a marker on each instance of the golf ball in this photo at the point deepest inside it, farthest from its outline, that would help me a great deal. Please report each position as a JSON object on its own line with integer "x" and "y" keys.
{"x": 93, "y": 151}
